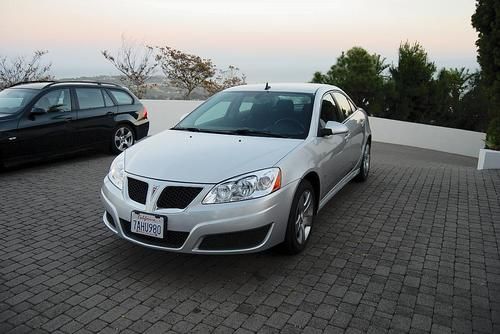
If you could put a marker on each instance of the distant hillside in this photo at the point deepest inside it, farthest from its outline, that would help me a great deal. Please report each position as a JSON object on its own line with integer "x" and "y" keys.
{"x": 161, "y": 90}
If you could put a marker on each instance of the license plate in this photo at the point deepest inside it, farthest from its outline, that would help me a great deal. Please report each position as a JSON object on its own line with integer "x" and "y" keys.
{"x": 146, "y": 224}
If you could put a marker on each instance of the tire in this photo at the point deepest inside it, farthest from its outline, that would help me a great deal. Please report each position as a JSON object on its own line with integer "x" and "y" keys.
{"x": 123, "y": 137}
{"x": 300, "y": 220}
{"x": 364, "y": 169}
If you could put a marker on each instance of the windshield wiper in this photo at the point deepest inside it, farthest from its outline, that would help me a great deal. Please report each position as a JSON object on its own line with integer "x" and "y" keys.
{"x": 186, "y": 129}
{"x": 242, "y": 132}
{"x": 250, "y": 132}
{"x": 193, "y": 129}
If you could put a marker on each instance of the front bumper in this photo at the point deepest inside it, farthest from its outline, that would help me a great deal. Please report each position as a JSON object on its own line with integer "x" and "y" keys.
{"x": 219, "y": 226}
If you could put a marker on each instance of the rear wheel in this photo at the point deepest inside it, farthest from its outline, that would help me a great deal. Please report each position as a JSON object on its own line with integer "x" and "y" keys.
{"x": 123, "y": 137}
{"x": 300, "y": 220}
{"x": 364, "y": 169}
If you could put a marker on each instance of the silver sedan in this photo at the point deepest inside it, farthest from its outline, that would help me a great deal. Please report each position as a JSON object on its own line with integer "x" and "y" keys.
{"x": 247, "y": 170}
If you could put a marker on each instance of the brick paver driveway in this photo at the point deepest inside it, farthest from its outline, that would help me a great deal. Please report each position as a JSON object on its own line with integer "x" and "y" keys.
{"x": 415, "y": 249}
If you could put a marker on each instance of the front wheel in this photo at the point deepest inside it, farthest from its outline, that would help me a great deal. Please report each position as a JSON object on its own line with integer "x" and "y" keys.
{"x": 123, "y": 138}
{"x": 300, "y": 220}
{"x": 364, "y": 169}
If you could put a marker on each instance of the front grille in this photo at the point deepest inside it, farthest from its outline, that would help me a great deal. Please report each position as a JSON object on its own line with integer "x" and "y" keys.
{"x": 171, "y": 239}
{"x": 177, "y": 197}
{"x": 137, "y": 190}
{"x": 235, "y": 240}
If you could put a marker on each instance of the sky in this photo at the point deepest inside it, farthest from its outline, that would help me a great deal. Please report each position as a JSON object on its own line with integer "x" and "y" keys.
{"x": 269, "y": 40}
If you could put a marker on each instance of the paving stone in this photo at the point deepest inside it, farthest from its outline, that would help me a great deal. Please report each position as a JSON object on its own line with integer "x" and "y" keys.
{"x": 413, "y": 250}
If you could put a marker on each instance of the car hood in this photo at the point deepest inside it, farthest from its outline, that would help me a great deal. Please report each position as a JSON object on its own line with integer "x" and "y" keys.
{"x": 203, "y": 157}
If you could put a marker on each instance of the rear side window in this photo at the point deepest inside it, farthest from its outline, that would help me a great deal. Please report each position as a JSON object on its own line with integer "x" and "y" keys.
{"x": 121, "y": 97}
{"x": 107, "y": 99}
{"x": 89, "y": 98}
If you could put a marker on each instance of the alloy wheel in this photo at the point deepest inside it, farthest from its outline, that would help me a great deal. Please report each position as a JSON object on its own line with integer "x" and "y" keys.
{"x": 366, "y": 160}
{"x": 124, "y": 138}
{"x": 304, "y": 216}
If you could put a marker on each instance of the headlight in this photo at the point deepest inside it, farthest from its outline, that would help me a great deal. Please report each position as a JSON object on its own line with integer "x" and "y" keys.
{"x": 248, "y": 186}
{"x": 116, "y": 171}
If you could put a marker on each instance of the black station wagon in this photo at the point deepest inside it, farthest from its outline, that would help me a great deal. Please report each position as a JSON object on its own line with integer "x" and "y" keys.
{"x": 45, "y": 119}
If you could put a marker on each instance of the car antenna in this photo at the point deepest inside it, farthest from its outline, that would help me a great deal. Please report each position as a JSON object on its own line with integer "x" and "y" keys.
{"x": 267, "y": 86}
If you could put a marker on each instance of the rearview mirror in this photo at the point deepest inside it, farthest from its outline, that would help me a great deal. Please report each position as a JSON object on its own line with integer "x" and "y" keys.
{"x": 334, "y": 128}
{"x": 38, "y": 111}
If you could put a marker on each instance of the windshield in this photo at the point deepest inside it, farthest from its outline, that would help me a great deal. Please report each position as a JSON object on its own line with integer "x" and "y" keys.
{"x": 269, "y": 114}
{"x": 14, "y": 99}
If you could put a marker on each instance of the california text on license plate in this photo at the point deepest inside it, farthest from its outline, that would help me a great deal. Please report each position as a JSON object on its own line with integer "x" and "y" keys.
{"x": 145, "y": 224}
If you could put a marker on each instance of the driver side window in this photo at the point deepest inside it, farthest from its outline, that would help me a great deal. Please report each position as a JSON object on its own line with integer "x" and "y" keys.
{"x": 55, "y": 100}
{"x": 329, "y": 111}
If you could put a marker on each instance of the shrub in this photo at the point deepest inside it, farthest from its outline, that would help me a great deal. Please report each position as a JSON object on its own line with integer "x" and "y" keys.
{"x": 493, "y": 134}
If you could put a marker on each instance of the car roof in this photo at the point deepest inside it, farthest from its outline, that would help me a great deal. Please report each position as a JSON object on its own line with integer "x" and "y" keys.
{"x": 283, "y": 87}
{"x": 45, "y": 84}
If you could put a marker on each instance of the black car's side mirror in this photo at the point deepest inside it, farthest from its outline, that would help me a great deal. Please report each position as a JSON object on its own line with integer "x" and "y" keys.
{"x": 38, "y": 111}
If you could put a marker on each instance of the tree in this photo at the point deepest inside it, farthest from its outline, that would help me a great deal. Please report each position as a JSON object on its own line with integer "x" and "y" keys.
{"x": 472, "y": 111}
{"x": 225, "y": 79}
{"x": 486, "y": 20}
{"x": 137, "y": 64}
{"x": 184, "y": 70}
{"x": 447, "y": 93}
{"x": 20, "y": 69}
{"x": 412, "y": 84}
{"x": 360, "y": 74}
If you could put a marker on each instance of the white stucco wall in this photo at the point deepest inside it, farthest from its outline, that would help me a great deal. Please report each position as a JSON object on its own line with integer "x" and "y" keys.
{"x": 166, "y": 113}
{"x": 431, "y": 137}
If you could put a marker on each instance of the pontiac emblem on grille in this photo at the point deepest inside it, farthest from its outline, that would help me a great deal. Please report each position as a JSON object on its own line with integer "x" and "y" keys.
{"x": 155, "y": 188}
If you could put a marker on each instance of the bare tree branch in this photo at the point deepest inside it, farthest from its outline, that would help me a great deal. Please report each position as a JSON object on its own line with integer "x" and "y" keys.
{"x": 225, "y": 79}
{"x": 21, "y": 69}
{"x": 137, "y": 64}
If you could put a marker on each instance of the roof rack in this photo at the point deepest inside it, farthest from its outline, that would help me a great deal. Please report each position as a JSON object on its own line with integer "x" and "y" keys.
{"x": 28, "y": 82}
{"x": 100, "y": 83}
{"x": 55, "y": 82}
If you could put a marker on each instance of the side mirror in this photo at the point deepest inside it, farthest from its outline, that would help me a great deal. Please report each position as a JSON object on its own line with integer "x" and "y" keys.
{"x": 334, "y": 128}
{"x": 183, "y": 116}
{"x": 38, "y": 111}
{"x": 324, "y": 132}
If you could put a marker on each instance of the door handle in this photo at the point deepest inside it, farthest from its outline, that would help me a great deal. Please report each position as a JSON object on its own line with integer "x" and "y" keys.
{"x": 109, "y": 114}
{"x": 68, "y": 119}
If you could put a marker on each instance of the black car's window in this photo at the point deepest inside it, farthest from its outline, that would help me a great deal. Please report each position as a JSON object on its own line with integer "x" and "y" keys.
{"x": 107, "y": 99}
{"x": 89, "y": 98}
{"x": 121, "y": 97}
{"x": 329, "y": 111}
{"x": 344, "y": 104}
{"x": 55, "y": 100}
{"x": 13, "y": 100}
{"x": 263, "y": 113}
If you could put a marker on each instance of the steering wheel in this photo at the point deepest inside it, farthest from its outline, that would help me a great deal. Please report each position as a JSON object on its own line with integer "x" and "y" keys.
{"x": 291, "y": 121}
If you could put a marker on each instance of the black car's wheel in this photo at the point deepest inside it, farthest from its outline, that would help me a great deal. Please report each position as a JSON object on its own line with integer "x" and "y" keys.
{"x": 300, "y": 220}
{"x": 123, "y": 138}
{"x": 364, "y": 169}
